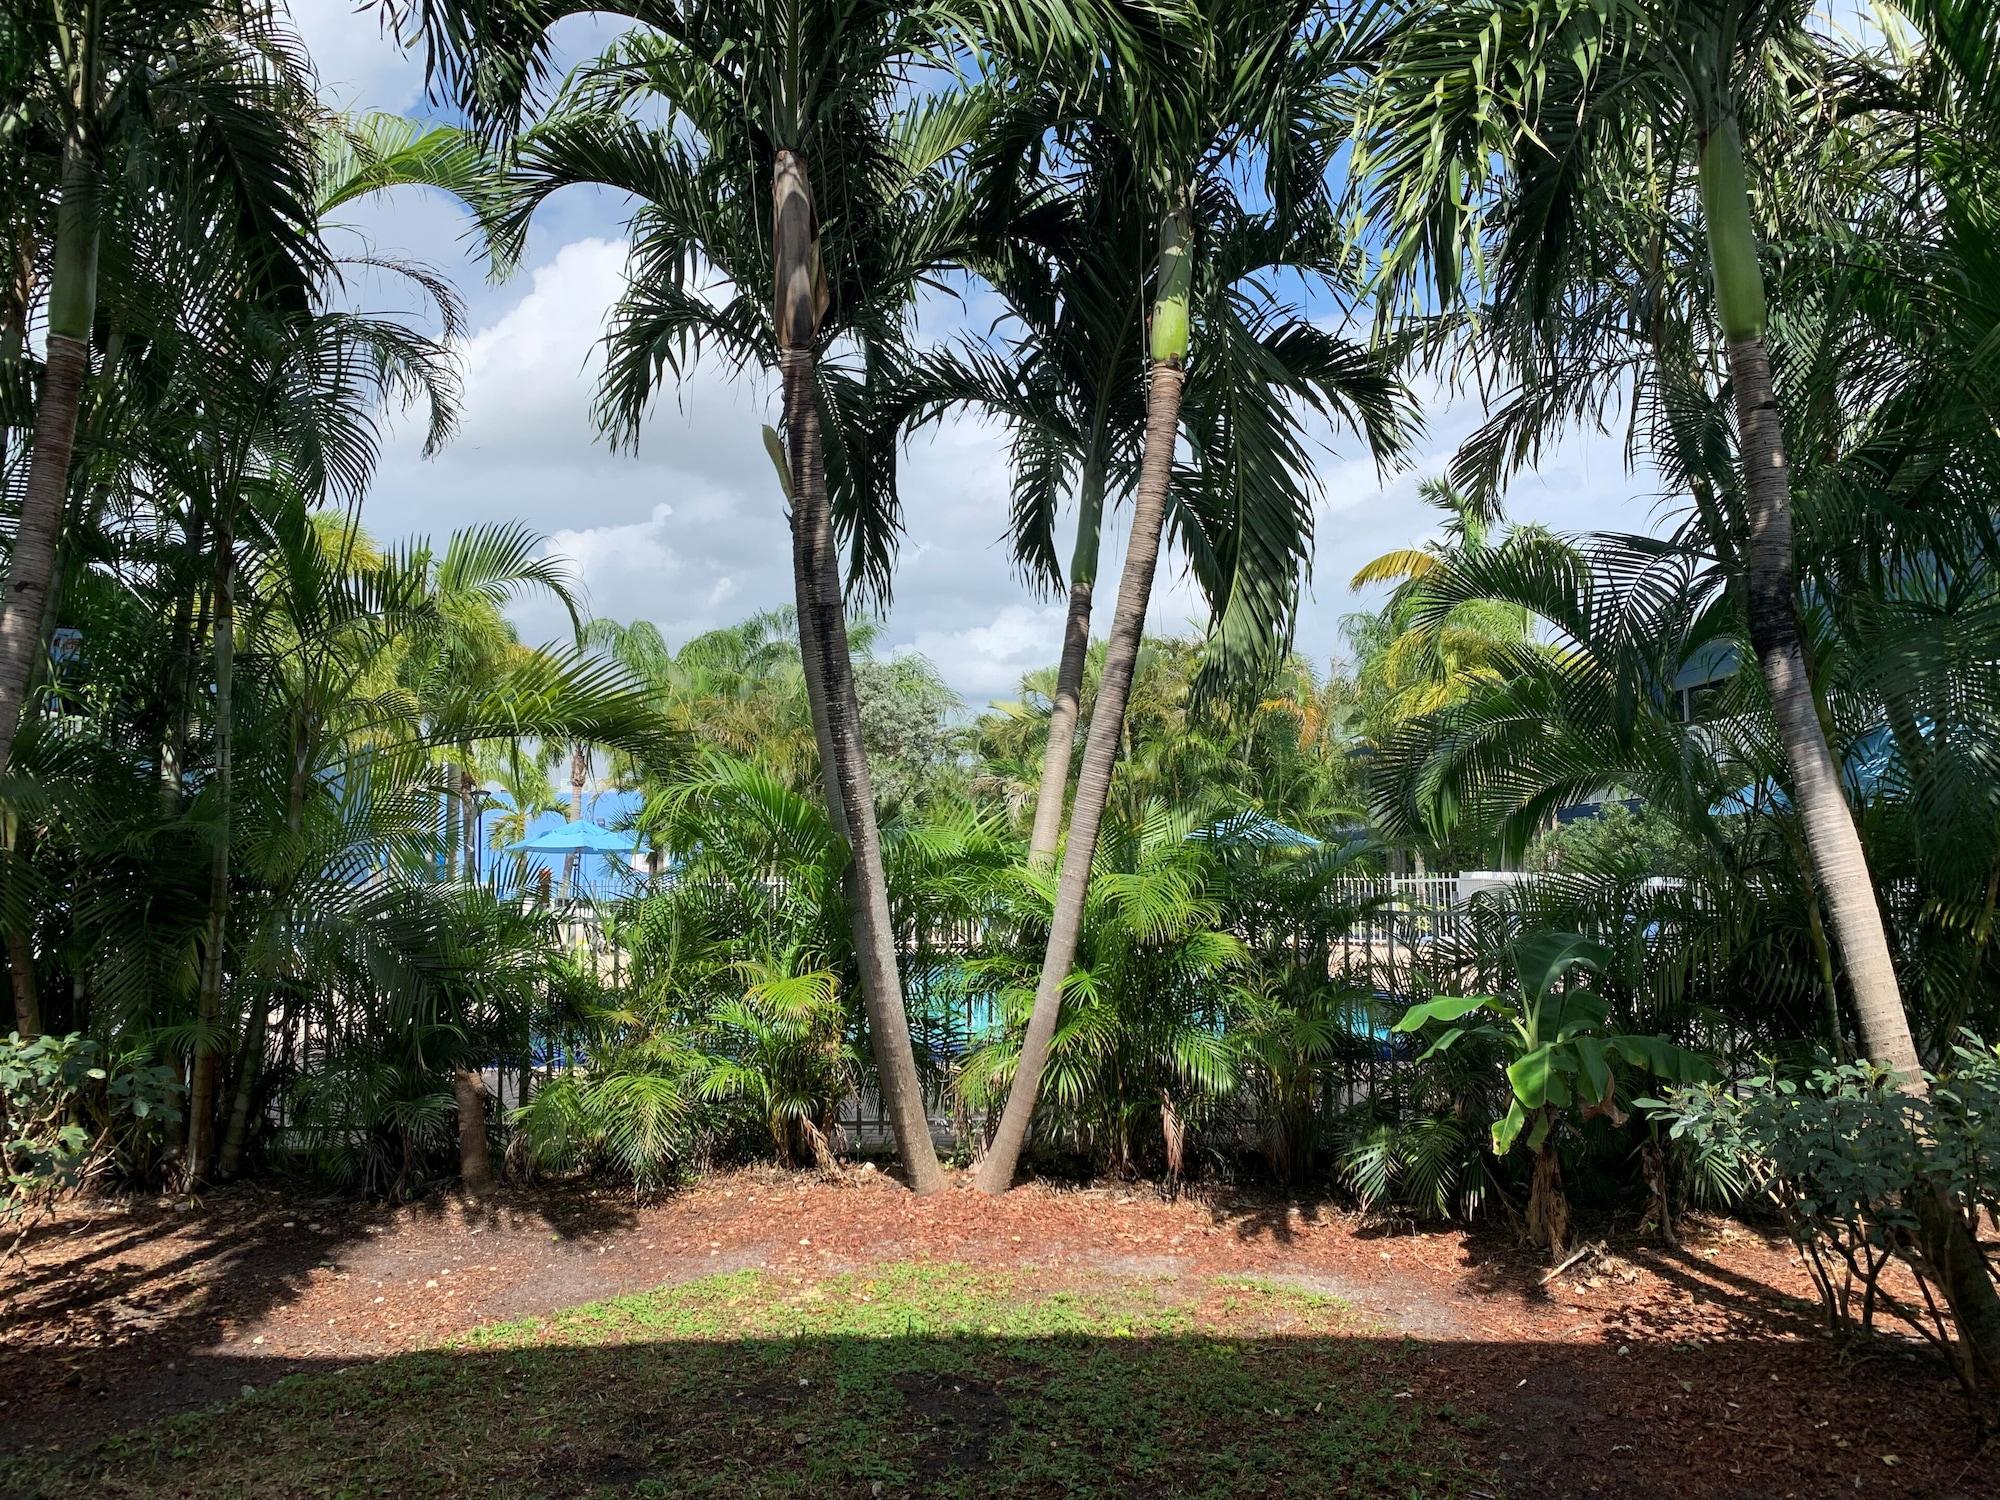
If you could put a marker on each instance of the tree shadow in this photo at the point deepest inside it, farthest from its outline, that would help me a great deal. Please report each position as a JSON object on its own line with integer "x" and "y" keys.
{"x": 926, "y": 1413}
{"x": 115, "y": 1307}
{"x": 1270, "y": 1214}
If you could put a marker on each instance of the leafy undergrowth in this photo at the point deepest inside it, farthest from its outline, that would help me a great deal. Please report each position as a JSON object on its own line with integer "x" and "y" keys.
{"x": 909, "y": 1379}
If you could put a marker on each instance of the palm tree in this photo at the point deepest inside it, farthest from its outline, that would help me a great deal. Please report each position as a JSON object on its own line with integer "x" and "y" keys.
{"x": 786, "y": 165}
{"x": 1063, "y": 227}
{"x": 127, "y": 96}
{"x": 1650, "y": 104}
{"x": 1196, "y": 89}
{"x": 1627, "y": 97}
{"x": 1411, "y": 660}
{"x": 1060, "y": 252}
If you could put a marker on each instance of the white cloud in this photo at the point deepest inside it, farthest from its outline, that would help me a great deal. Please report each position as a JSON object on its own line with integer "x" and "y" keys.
{"x": 689, "y": 531}
{"x": 984, "y": 662}
{"x": 359, "y": 63}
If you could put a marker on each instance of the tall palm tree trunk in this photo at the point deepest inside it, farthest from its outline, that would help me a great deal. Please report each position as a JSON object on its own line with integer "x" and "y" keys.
{"x": 1839, "y": 867}
{"x": 1107, "y": 718}
{"x": 243, "y": 1094}
{"x": 579, "y": 776}
{"x": 1052, "y": 793}
{"x": 449, "y": 816}
{"x": 17, "y": 295}
{"x": 21, "y": 980}
{"x": 829, "y": 672}
{"x": 204, "y": 1075}
{"x": 468, "y": 811}
{"x": 475, "y": 1154}
{"x": 1833, "y": 844}
{"x": 31, "y": 566}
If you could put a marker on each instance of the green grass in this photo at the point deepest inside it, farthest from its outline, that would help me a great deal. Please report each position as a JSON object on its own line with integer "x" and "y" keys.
{"x": 932, "y": 1380}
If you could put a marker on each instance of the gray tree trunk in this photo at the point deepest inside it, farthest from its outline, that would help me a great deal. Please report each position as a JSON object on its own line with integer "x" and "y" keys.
{"x": 475, "y": 1155}
{"x": 31, "y": 566}
{"x": 451, "y": 819}
{"x": 798, "y": 302}
{"x": 1093, "y": 784}
{"x": 1839, "y": 865}
{"x": 249, "y": 1068}
{"x": 850, "y": 794}
{"x": 203, "y": 1076}
{"x": 468, "y": 808}
{"x": 21, "y": 979}
{"x": 1053, "y": 792}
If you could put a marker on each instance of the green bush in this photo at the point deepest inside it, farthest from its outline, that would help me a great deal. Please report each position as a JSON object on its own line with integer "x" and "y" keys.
{"x": 1846, "y": 1158}
{"x": 73, "y": 1112}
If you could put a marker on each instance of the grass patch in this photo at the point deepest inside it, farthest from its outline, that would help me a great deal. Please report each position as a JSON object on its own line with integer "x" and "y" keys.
{"x": 919, "y": 1379}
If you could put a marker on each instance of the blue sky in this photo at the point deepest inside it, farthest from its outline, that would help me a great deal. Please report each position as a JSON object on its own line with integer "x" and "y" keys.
{"x": 688, "y": 531}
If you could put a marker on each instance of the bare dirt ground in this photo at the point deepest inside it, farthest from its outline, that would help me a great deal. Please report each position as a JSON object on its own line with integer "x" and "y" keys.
{"x": 1646, "y": 1372}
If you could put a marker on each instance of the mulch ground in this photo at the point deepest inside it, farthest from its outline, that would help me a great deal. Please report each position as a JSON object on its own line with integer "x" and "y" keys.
{"x": 1646, "y": 1371}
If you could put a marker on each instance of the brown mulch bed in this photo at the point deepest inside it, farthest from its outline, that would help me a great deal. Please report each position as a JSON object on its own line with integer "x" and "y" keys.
{"x": 1647, "y": 1371}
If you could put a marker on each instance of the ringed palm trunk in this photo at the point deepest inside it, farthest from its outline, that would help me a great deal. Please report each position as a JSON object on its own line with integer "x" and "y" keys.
{"x": 15, "y": 298}
{"x": 475, "y": 1155}
{"x": 468, "y": 812}
{"x": 1107, "y": 719}
{"x": 31, "y": 567}
{"x": 451, "y": 820}
{"x": 204, "y": 1076}
{"x": 243, "y": 1097}
{"x": 579, "y": 775}
{"x": 1054, "y": 788}
{"x": 21, "y": 979}
{"x": 1833, "y": 844}
{"x": 829, "y": 673}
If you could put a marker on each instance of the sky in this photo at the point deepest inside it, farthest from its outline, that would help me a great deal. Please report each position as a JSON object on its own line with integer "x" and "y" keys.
{"x": 688, "y": 531}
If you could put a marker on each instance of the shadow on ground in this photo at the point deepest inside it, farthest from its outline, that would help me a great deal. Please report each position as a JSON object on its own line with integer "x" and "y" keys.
{"x": 942, "y": 1380}
{"x": 173, "y": 1280}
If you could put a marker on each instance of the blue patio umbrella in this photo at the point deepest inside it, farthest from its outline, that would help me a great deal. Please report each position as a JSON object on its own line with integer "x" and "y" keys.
{"x": 579, "y": 837}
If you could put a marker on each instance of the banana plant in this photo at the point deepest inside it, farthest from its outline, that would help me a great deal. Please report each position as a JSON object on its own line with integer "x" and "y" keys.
{"x": 1562, "y": 1052}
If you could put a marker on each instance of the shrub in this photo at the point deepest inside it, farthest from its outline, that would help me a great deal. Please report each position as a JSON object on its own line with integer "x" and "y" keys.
{"x": 73, "y": 1112}
{"x": 1845, "y": 1157}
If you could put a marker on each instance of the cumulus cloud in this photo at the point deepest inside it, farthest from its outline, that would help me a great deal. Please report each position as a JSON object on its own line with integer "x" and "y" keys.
{"x": 359, "y": 63}
{"x": 688, "y": 529}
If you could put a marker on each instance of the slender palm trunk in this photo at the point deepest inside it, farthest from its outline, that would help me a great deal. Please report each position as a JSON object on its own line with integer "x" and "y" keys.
{"x": 16, "y": 297}
{"x": 1833, "y": 844}
{"x": 448, "y": 815}
{"x": 1050, "y": 797}
{"x": 475, "y": 1156}
{"x": 1839, "y": 868}
{"x": 190, "y": 624}
{"x": 31, "y": 566}
{"x": 21, "y": 978}
{"x": 468, "y": 811}
{"x": 850, "y": 794}
{"x": 829, "y": 671}
{"x": 1107, "y": 718}
{"x": 243, "y": 1097}
{"x": 203, "y": 1082}
{"x": 579, "y": 775}
{"x": 1093, "y": 786}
